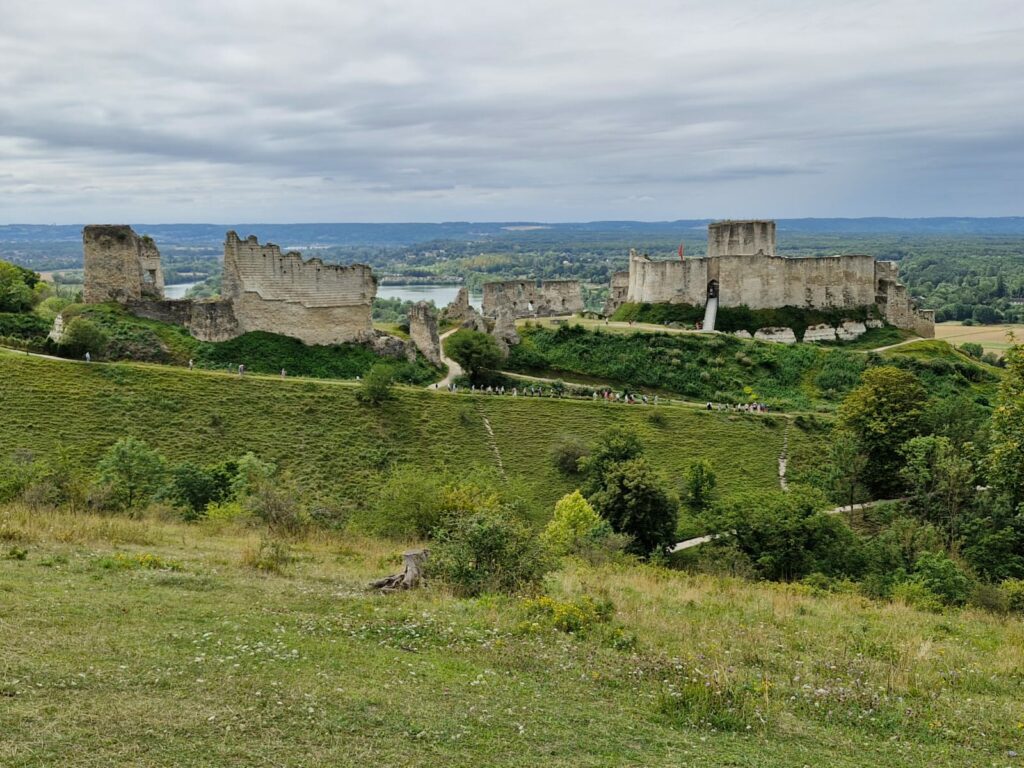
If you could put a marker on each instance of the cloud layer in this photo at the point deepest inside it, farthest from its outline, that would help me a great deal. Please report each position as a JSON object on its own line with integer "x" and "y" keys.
{"x": 328, "y": 110}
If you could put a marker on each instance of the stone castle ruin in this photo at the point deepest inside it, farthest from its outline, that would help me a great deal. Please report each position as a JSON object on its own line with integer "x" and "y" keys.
{"x": 741, "y": 268}
{"x": 283, "y": 293}
{"x": 530, "y": 298}
{"x": 120, "y": 266}
{"x": 263, "y": 289}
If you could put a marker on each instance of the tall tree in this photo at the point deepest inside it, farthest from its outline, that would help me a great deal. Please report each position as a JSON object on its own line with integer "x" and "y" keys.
{"x": 1006, "y": 458}
{"x": 882, "y": 414}
{"x": 636, "y": 501}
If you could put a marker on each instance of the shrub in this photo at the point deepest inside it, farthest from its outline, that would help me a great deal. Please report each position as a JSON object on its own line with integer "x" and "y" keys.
{"x": 972, "y": 349}
{"x": 487, "y": 552}
{"x": 277, "y": 507}
{"x": 82, "y": 335}
{"x": 250, "y": 472}
{"x": 576, "y": 616}
{"x": 566, "y": 455}
{"x": 376, "y": 385}
{"x": 194, "y": 488}
{"x": 575, "y": 526}
{"x": 942, "y": 577}
{"x": 414, "y": 502}
{"x": 1014, "y": 589}
{"x": 225, "y": 511}
{"x": 990, "y": 597}
{"x": 917, "y": 595}
{"x": 131, "y": 472}
{"x": 271, "y": 555}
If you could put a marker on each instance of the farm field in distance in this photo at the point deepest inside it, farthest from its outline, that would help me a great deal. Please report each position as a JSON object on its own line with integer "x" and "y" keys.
{"x": 991, "y": 337}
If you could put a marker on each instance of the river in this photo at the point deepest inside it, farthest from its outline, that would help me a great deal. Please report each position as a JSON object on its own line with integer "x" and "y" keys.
{"x": 178, "y": 290}
{"x": 441, "y": 295}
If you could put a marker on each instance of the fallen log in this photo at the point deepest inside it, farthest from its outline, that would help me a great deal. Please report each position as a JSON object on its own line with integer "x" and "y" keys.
{"x": 411, "y": 575}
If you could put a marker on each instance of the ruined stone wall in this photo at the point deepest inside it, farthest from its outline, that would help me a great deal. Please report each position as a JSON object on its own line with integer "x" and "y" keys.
{"x": 896, "y": 305}
{"x": 618, "y": 291}
{"x": 308, "y": 300}
{"x": 119, "y": 265}
{"x": 210, "y": 320}
{"x": 761, "y": 282}
{"x": 423, "y": 331}
{"x": 528, "y": 298}
{"x": 741, "y": 238}
{"x": 667, "y": 282}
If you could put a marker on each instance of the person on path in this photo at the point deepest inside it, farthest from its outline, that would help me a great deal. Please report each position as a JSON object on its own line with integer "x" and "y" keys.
{"x": 191, "y": 363}
{"x": 283, "y": 373}
{"x": 241, "y": 369}
{"x": 88, "y": 357}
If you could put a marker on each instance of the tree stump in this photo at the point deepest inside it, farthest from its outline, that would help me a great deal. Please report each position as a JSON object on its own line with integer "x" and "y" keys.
{"x": 410, "y": 577}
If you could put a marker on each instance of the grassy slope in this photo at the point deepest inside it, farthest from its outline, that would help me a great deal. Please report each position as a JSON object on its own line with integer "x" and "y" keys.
{"x": 720, "y": 367}
{"x": 328, "y": 441}
{"x": 215, "y": 664}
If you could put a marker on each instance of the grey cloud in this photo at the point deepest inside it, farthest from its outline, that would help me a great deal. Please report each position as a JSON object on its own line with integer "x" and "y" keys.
{"x": 543, "y": 110}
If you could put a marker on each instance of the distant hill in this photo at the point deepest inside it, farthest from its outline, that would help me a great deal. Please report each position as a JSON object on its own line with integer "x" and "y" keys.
{"x": 328, "y": 234}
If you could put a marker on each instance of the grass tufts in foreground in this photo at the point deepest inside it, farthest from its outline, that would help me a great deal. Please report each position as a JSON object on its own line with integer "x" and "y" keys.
{"x": 218, "y": 662}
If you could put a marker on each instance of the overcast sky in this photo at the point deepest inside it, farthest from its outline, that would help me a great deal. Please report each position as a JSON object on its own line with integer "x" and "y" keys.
{"x": 557, "y": 110}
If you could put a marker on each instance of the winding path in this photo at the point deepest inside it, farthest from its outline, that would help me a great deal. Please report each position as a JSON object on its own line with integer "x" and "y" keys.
{"x": 454, "y": 369}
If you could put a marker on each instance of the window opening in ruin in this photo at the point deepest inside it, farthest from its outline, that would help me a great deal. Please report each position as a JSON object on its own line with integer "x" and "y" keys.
{"x": 529, "y": 305}
{"x": 150, "y": 276}
{"x": 713, "y": 289}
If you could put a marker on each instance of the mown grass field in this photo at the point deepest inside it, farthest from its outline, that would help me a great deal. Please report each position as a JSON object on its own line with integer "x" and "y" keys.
{"x": 148, "y": 643}
{"x": 330, "y": 443}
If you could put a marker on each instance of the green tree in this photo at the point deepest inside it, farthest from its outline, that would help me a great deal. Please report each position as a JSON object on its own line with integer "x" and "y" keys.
{"x": 614, "y": 447}
{"x": 636, "y": 501}
{"x": 476, "y": 352}
{"x": 82, "y": 335}
{"x": 940, "y": 479}
{"x": 192, "y": 487}
{"x": 16, "y": 294}
{"x": 1006, "y": 455}
{"x": 575, "y": 525}
{"x": 376, "y": 385}
{"x": 699, "y": 485}
{"x": 250, "y": 471}
{"x": 787, "y": 537}
{"x": 882, "y": 414}
{"x": 846, "y": 467}
{"x": 132, "y": 472}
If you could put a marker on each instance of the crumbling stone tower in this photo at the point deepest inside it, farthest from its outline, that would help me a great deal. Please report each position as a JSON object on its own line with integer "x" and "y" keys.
{"x": 119, "y": 265}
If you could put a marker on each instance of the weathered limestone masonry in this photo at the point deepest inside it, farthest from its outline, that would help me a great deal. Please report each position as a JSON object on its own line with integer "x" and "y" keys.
{"x": 528, "y": 298}
{"x": 120, "y": 265}
{"x": 423, "y": 332}
{"x": 263, "y": 290}
{"x": 618, "y": 290}
{"x": 743, "y": 269}
{"x": 308, "y": 300}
